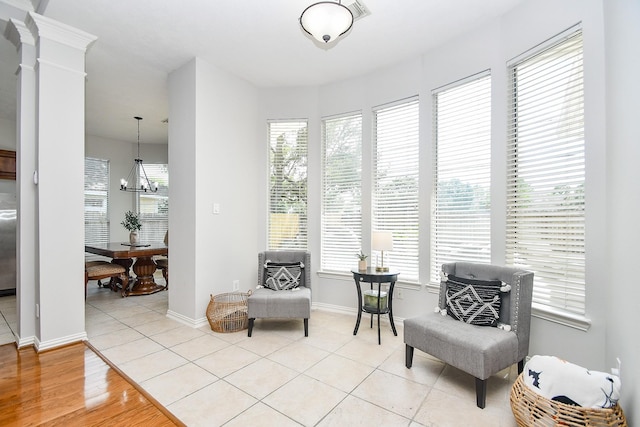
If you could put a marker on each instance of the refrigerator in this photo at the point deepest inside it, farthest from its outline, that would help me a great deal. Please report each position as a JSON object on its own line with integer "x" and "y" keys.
{"x": 7, "y": 244}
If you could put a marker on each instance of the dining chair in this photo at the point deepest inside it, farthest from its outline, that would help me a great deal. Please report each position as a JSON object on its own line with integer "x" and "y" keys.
{"x": 98, "y": 270}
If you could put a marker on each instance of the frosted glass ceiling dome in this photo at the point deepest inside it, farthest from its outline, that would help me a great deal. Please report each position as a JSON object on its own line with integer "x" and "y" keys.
{"x": 326, "y": 20}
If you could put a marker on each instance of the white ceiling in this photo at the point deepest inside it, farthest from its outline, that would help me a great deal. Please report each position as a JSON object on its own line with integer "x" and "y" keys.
{"x": 141, "y": 41}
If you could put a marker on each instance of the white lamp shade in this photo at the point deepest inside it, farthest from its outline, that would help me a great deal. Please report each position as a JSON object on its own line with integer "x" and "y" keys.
{"x": 326, "y": 20}
{"x": 382, "y": 241}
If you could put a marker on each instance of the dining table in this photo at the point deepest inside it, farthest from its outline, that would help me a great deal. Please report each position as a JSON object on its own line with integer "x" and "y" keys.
{"x": 143, "y": 267}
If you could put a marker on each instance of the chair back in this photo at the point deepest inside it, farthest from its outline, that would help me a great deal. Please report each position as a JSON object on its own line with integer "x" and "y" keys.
{"x": 303, "y": 257}
{"x": 515, "y": 308}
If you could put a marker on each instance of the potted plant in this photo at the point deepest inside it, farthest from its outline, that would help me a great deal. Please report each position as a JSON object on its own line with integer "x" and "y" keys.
{"x": 132, "y": 223}
{"x": 362, "y": 261}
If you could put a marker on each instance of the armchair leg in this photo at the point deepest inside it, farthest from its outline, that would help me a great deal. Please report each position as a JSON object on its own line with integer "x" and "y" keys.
{"x": 520, "y": 366}
{"x": 408, "y": 358}
{"x": 481, "y": 392}
{"x": 306, "y": 327}
{"x": 250, "y": 326}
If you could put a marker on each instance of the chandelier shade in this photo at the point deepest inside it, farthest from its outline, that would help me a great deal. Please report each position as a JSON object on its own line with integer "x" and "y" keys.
{"x": 138, "y": 176}
{"x": 325, "y": 21}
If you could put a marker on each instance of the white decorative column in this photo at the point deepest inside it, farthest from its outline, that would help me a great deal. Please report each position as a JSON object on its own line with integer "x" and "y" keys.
{"x": 60, "y": 134}
{"x": 24, "y": 42}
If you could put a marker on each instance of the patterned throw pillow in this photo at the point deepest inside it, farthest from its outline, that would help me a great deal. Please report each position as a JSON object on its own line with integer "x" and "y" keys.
{"x": 282, "y": 276}
{"x": 473, "y": 301}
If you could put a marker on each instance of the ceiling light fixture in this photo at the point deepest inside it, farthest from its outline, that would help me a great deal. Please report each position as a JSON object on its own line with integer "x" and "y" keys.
{"x": 137, "y": 174}
{"x": 325, "y": 21}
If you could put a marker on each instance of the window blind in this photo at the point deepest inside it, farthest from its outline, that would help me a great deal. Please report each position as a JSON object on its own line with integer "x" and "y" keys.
{"x": 288, "y": 184}
{"x": 395, "y": 186}
{"x": 461, "y": 220}
{"x": 96, "y": 200}
{"x": 546, "y": 173}
{"x": 154, "y": 207}
{"x": 341, "y": 192}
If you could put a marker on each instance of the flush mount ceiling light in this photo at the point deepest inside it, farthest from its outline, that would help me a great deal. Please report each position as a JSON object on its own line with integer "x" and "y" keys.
{"x": 325, "y": 21}
{"x": 138, "y": 176}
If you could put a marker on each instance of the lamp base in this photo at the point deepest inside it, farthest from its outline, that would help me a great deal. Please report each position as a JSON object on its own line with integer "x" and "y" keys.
{"x": 382, "y": 269}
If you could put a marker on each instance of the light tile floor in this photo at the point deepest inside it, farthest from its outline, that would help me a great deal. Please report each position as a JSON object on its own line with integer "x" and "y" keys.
{"x": 280, "y": 378}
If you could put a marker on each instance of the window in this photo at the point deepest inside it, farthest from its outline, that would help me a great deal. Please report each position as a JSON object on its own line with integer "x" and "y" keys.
{"x": 341, "y": 192}
{"x": 154, "y": 207}
{"x": 395, "y": 181}
{"x": 546, "y": 172}
{"x": 96, "y": 200}
{"x": 288, "y": 185}
{"x": 461, "y": 220}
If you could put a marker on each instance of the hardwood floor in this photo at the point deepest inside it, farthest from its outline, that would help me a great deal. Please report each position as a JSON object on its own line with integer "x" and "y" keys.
{"x": 71, "y": 385}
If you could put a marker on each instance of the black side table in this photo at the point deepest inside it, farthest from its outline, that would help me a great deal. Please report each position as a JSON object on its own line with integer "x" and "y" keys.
{"x": 372, "y": 276}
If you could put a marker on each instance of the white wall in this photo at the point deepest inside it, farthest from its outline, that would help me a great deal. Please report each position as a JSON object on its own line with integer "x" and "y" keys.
{"x": 623, "y": 229}
{"x": 214, "y": 134}
{"x": 120, "y": 155}
{"x": 488, "y": 47}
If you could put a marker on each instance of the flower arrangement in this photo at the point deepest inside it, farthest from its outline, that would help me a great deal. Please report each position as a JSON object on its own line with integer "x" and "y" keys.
{"x": 361, "y": 256}
{"x": 131, "y": 221}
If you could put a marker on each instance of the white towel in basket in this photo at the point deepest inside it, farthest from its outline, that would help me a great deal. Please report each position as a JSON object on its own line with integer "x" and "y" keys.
{"x": 565, "y": 382}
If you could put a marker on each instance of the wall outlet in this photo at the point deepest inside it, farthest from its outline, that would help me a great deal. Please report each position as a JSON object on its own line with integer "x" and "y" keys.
{"x": 37, "y": 310}
{"x": 399, "y": 294}
{"x": 616, "y": 371}
{"x": 236, "y": 285}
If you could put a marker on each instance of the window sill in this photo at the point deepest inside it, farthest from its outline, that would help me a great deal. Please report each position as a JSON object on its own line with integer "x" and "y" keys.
{"x": 564, "y": 318}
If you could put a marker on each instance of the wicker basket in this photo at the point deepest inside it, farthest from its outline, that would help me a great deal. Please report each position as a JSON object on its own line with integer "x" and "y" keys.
{"x": 228, "y": 312}
{"x": 532, "y": 409}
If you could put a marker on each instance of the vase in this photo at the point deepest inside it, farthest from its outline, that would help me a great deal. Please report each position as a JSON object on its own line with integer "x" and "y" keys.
{"x": 133, "y": 237}
{"x": 362, "y": 265}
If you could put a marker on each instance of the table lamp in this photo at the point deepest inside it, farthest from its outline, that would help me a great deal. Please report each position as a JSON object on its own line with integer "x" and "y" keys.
{"x": 382, "y": 241}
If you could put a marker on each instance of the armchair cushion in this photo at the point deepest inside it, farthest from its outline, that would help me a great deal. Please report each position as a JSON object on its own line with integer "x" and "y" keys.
{"x": 290, "y": 304}
{"x": 477, "y": 350}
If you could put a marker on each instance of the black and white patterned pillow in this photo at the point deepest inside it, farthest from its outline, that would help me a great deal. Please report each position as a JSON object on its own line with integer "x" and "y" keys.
{"x": 473, "y": 301}
{"x": 282, "y": 276}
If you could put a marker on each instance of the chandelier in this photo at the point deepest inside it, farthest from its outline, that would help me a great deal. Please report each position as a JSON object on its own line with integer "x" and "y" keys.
{"x": 326, "y": 20}
{"x": 138, "y": 176}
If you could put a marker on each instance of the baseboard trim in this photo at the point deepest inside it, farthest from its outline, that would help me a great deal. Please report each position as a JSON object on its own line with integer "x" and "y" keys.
{"x": 59, "y": 342}
{"x": 334, "y": 308}
{"x": 25, "y": 342}
{"x": 194, "y": 323}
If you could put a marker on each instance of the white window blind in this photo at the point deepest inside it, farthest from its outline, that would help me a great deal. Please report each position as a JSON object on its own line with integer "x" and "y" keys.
{"x": 96, "y": 200}
{"x": 395, "y": 186}
{"x": 546, "y": 173}
{"x": 288, "y": 184}
{"x": 154, "y": 207}
{"x": 461, "y": 220}
{"x": 341, "y": 192}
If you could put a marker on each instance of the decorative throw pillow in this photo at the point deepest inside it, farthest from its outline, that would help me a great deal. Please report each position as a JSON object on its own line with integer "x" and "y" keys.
{"x": 473, "y": 301}
{"x": 282, "y": 276}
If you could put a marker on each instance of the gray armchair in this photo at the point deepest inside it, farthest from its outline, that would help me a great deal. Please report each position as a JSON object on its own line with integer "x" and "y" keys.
{"x": 478, "y": 350}
{"x": 267, "y": 303}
